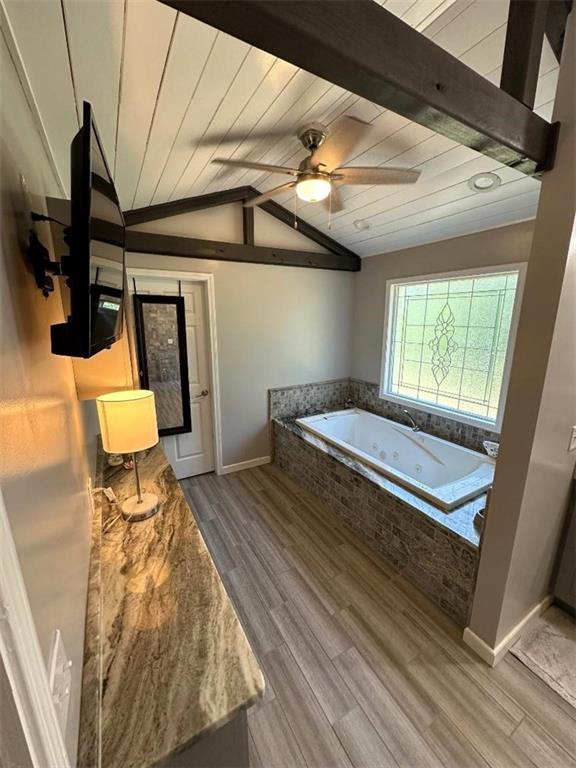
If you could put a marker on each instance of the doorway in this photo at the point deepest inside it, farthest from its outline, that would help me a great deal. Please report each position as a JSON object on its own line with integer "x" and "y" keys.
{"x": 196, "y": 450}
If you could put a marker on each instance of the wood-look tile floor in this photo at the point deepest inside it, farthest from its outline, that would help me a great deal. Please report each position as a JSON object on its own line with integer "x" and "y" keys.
{"x": 361, "y": 669}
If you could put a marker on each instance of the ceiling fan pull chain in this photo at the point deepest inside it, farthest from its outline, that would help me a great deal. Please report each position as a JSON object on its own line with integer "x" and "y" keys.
{"x": 330, "y": 210}
{"x": 295, "y": 211}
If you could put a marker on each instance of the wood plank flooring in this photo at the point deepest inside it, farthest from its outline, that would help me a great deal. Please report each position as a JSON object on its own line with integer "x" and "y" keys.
{"x": 361, "y": 669}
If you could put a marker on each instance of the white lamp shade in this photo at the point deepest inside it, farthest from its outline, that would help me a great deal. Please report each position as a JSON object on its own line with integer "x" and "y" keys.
{"x": 127, "y": 421}
{"x": 313, "y": 189}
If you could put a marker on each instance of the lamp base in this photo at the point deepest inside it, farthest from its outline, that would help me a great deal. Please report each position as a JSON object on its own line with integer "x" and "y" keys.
{"x": 133, "y": 511}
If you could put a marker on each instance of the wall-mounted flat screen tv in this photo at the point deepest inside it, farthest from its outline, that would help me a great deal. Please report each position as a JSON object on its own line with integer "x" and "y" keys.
{"x": 95, "y": 265}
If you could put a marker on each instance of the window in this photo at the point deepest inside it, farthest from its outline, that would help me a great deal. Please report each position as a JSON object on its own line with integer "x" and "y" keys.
{"x": 448, "y": 342}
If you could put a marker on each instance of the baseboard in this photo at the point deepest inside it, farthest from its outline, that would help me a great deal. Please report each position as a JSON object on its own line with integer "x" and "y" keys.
{"x": 492, "y": 656}
{"x": 227, "y": 468}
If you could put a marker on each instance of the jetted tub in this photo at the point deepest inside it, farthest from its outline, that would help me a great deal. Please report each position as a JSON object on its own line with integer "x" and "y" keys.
{"x": 442, "y": 472}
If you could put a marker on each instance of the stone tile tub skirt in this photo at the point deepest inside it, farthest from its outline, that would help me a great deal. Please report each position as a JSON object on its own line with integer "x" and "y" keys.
{"x": 435, "y": 550}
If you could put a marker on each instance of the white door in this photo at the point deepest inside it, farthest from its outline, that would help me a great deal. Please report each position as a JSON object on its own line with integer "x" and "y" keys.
{"x": 190, "y": 453}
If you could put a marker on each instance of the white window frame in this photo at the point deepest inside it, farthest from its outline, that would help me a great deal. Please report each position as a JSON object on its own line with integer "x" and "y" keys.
{"x": 419, "y": 405}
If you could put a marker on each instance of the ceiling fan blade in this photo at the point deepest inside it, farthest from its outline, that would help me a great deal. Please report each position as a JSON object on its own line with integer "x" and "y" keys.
{"x": 255, "y": 166}
{"x": 267, "y": 195}
{"x": 377, "y": 175}
{"x": 334, "y": 202}
{"x": 340, "y": 142}
{"x": 236, "y": 136}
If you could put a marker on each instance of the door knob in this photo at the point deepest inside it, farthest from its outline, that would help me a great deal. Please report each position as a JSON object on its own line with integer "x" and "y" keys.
{"x": 203, "y": 393}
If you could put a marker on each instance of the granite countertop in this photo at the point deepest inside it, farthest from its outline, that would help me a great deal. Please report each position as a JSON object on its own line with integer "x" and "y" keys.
{"x": 463, "y": 521}
{"x": 161, "y": 633}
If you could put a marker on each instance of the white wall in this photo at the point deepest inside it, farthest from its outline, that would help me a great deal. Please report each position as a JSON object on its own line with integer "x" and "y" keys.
{"x": 491, "y": 248}
{"x": 43, "y": 467}
{"x": 276, "y": 326}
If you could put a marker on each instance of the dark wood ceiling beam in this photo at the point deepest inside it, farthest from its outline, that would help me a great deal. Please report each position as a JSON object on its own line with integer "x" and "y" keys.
{"x": 248, "y": 225}
{"x": 523, "y": 49}
{"x": 194, "y": 248}
{"x": 288, "y": 218}
{"x": 237, "y": 195}
{"x": 558, "y": 11}
{"x": 185, "y": 205}
{"x": 365, "y": 49}
{"x": 107, "y": 232}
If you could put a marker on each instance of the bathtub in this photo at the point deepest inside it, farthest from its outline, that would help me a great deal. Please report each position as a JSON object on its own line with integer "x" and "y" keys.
{"x": 437, "y": 470}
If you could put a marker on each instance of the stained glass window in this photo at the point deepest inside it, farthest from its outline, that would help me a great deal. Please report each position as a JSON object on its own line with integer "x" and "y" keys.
{"x": 447, "y": 341}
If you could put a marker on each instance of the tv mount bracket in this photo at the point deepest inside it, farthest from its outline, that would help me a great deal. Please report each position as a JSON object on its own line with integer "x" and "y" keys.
{"x": 42, "y": 266}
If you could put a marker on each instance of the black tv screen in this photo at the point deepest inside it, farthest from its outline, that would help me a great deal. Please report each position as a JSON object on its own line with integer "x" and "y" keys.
{"x": 95, "y": 266}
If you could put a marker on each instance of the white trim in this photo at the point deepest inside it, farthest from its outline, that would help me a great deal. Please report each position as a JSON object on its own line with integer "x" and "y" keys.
{"x": 18, "y": 61}
{"x": 493, "y": 656}
{"x": 245, "y": 465}
{"x": 22, "y": 659}
{"x": 421, "y": 405}
{"x": 208, "y": 278}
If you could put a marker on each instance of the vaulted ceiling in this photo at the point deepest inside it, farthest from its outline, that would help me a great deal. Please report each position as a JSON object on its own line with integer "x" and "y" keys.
{"x": 171, "y": 93}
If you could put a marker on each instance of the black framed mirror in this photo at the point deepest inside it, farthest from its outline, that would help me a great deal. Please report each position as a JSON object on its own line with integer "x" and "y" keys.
{"x": 162, "y": 359}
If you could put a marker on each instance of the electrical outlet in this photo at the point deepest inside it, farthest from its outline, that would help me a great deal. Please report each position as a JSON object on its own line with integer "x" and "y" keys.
{"x": 572, "y": 446}
{"x": 110, "y": 495}
{"x": 60, "y": 678}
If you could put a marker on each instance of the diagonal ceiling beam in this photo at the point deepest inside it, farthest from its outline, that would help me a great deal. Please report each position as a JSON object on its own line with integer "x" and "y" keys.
{"x": 365, "y": 49}
{"x": 236, "y": 195}
{"x": 185, "y": 205}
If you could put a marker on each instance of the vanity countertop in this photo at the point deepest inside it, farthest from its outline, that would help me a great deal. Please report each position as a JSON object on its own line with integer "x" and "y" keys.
{"x": 166, "y": 660}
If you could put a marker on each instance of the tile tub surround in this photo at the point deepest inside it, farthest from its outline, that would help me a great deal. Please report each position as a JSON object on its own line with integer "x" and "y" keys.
{"x": 367, "y": 396}
{"x": 437, "y": 551}
{"x": 176, "y": 662}
{"x": 309, "y": 399}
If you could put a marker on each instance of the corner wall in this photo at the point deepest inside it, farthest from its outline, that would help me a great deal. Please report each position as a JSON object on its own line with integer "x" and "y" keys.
{"x": 535, "y": 470}
{"x": 43, "y": 461}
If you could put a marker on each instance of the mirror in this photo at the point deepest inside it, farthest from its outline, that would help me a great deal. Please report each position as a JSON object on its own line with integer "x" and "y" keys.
{"x": 162, "y": 360}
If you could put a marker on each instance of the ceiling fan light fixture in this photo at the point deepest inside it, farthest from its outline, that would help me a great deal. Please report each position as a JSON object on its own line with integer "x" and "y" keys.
{"x": 313, "y": 187}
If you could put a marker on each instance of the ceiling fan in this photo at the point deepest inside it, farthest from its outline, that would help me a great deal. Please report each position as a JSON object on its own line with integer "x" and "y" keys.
{"x": 319, "y": 175}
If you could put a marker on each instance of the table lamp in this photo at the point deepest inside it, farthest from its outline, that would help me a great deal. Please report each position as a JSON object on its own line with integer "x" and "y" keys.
{"x": 128, "y": 424}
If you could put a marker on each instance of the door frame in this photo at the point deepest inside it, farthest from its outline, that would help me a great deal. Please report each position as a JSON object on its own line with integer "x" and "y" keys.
{"x": 21, "y": 656}
{"x": 208, "y": 281}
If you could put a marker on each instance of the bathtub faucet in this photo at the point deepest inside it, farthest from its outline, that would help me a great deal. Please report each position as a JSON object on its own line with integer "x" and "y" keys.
{"x": 415, "y": 427}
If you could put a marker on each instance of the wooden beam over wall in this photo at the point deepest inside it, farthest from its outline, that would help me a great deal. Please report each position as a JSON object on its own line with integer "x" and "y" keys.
{"x": 288, "y": 218}
{"x": 193, "y": 248}
{"x": 523, "y": 49}
{"x": 556, "y": 21}
{"x": 248, "y": 225}
{"x": 237, "y": 195}
{"x": 365, "y": 49}
{"x": 185, "y": 205}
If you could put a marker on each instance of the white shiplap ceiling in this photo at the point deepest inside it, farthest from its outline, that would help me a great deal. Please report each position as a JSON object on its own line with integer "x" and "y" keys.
{"x": 170, "y": 93}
